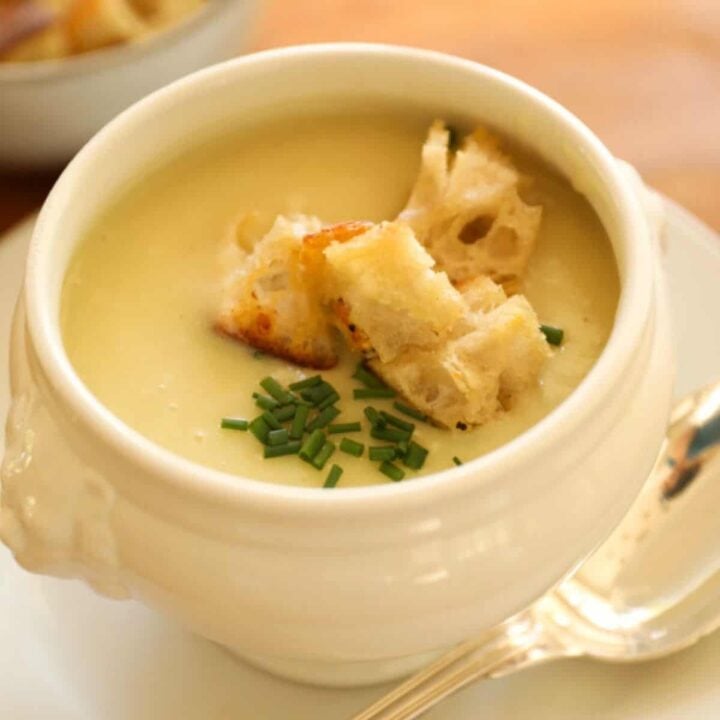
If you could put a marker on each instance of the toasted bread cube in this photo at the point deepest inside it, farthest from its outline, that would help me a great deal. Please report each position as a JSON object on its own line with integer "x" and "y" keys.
{"x": 473, "y": 378}
{"x": 460, "y": 357}
{"x": 481, "y": 294}
{"x": 272, "y": 303}
{"x": 93, "y": 24}
{"x": 383, "y": 283}
{"x": 471, "y": 218}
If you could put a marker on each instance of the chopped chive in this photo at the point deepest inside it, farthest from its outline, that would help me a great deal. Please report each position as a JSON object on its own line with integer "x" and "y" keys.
{"x": 390, "y": 434}
{"x": 323, "y": 456}
{"x": 397, "y": 422}
{"x": 318, "y": 393}
{"x": 306, "y": 383}
{"x": 380, "y": 392}
{"x": 288, "y": 448}
{"x": 367, "y": 377}
{"x": 284, "y": 412}
{"x": 333, "y": 476}
{"x": 345, "y": 428}
{"x": 374, "y": 416}
{"x": 265, "y": 402}
{"x": 553, "y": 335}
{"x": 258, "y": 354}
{"x": 260, "y": 429}
{"x": 401, "y": 448}
{"x": 325, "y": 417}
{"x": 311, "y": 447}
{"x": 415, "y": 456}
{"x": 278, "y": 437}
{"x": 351, "y": 447}
{"x": 234, "y": 423}
{"x": 271, "y": 385}
{"x": 392, "y": 471}
{"x": 297, "y": 428}
{"x": 411, "y": 411}
{"x": 457, "y": 460}
{"x": 271, "y": 420}
{"x": 381, "y": 452}
{"x": 331, "y": 399}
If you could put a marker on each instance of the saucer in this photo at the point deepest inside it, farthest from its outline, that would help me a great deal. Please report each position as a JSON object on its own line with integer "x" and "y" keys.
{"x": 68, "y": 654}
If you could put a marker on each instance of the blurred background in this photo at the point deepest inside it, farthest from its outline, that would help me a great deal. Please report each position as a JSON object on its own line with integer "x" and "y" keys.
{"x": 643, "y": 74}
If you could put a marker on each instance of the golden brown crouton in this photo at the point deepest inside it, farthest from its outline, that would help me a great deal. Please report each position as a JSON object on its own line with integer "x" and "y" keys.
{"x": 383, "y": 283}
{"x": 273, "y": 296}
{"x": 458, "y": 357}
{"x": 272, "y": 303}
{"x": 470, "y": 217}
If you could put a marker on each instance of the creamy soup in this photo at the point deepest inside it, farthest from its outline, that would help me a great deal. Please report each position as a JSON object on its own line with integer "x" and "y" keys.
{"x": 142, "y": 291}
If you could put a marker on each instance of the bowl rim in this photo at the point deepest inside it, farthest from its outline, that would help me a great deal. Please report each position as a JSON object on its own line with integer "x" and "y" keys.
{"x": 202, "y": 482}
{"x": 105, "y": 58}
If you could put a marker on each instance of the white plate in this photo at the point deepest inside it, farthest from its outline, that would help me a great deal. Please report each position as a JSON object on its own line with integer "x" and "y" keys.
{"x": 67, "y": 654}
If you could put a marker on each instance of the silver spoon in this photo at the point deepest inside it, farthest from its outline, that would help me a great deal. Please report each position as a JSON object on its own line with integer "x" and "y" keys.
{"x": 651, "y": 589}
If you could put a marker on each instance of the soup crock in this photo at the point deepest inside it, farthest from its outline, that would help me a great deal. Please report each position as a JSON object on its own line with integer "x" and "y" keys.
{"x": 352, "y": 585}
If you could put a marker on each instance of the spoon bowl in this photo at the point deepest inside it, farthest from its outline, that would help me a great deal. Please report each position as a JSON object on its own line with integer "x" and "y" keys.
{"x": 651, "y": 589}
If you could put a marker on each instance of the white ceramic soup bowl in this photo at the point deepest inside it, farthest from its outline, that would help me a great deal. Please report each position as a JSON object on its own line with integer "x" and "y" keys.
{"x": 351, "y": 585}
{"x": 50, "y": 108}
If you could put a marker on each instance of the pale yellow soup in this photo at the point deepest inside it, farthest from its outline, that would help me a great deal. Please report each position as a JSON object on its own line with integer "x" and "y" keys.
{"x": 142, "y": 290}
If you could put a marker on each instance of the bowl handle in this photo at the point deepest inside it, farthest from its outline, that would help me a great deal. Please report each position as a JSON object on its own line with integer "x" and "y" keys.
{"x": 651, "y": 201}
{"x": 55, "y": 511}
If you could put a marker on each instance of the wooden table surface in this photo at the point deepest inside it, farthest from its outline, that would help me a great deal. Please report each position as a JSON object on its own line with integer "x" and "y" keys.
{"x": 643, "y": 74}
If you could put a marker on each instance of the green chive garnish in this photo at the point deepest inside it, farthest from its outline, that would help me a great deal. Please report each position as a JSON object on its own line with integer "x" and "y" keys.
{"x": 325, "y": 417}
{"x": 297, "y": 429}
{"x": 351, "y": 447}
{"x": 553, "y": 335}
{"x": 260, "y": 429}
{"x": 401, "y": 448}
{"x": 278, "y": 437}
{"x": 411, "y": 411}
{"x": 381, "y": 392}
{"x": 284, "y": 412}
{"x": 318, "y": 393}
{"x": 344, "y": 428}
{"x": 324, "y": 455}
{"x": 367, "y": 377}
{"x": 265, "y": 402}
{"x": 306, "y": 383}
{"x": 457, "y": 460}
{"x": 271, "y": 385}
{"x": 381, "y": 452}
{"x": 397, "y": 422}
{"x": 311, "y": 447}
{"x": 271, "y": 420}
{"x": 234, "y": 423}
{"x": 331, "y": 399}
{"x": 333, "y": 476}
{"x": 392, "y": 471}
{"x": 415, "y": 456}
{"x": 288, "y": 448}
{"x": 374, "y": 416}
{"x": 389, "y": 434}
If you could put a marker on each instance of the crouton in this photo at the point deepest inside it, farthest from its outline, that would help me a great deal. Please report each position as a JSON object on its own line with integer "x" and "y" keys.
{"x": 470, "y": 217}
{"x": 459, "y": 357}
{"x": 383, "y": 283}
{"x": 271, "y": 303}
{"x": 273, "y": 297}
{"x": 94, "y": 24}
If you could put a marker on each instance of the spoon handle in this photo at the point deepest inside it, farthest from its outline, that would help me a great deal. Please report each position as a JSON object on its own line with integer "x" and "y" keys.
{"x": 521, "y": 641}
